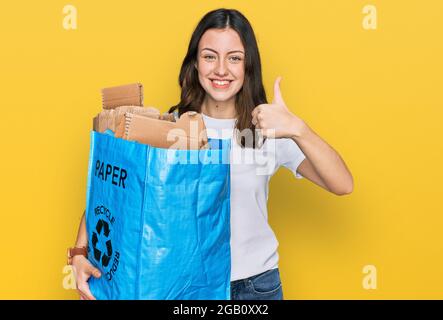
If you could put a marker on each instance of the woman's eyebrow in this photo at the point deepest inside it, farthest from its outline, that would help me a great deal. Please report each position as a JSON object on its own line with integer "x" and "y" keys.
{"x": 217, "y": 52}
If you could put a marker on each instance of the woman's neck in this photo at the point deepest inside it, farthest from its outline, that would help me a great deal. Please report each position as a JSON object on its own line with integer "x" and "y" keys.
{"x": 219, "y": 110}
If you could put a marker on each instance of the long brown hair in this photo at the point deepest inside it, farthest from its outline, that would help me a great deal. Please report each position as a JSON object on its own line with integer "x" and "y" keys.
{"x": 252, "y": 92}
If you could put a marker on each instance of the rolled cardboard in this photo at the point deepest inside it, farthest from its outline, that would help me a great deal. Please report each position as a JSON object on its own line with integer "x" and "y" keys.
{"x": 186, "y": 133}
{"x": 124, "y": 95}
{"x": 110, "y": 119}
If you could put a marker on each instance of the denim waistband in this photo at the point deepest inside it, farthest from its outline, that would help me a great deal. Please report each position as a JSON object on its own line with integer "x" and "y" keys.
{"x": 245, "y": 280}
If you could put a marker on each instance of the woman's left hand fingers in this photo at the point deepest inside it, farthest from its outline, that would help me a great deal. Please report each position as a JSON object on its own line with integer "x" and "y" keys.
{"x": 257, "y": 110}
{"x": 257, "y": 125}
{"x": 255, "y": 121}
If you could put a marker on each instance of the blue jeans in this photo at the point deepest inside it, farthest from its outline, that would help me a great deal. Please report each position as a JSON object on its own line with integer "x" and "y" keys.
{"x": 263, "y": 286}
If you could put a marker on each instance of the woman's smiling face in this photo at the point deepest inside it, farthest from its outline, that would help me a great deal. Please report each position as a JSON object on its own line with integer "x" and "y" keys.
{"x": 220, "y": 63}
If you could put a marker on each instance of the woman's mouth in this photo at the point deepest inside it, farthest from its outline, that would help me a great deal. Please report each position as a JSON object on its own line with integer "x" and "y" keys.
{"x": 221, "y": 84}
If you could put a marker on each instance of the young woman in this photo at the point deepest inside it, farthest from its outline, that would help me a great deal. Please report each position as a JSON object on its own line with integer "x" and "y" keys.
{"x": 221, "y": 78}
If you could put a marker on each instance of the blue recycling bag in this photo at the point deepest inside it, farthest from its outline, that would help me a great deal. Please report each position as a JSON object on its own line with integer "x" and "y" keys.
{"x": 158, "y": 220}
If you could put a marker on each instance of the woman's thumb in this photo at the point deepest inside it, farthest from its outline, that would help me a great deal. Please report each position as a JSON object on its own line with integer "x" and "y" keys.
{"x": 95, "y": 272}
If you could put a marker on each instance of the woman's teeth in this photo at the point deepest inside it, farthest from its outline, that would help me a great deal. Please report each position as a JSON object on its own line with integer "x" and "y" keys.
{"x": 220, "y": 84}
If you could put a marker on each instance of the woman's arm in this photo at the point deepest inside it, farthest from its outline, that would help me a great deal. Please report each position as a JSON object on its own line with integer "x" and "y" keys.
{"x": 82, "y": 237}
{"x": 83, "y": 269}
{"x": 323, "y": 165}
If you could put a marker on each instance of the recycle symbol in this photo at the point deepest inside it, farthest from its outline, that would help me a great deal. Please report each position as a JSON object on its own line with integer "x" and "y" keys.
{"x": 102, "y": 230}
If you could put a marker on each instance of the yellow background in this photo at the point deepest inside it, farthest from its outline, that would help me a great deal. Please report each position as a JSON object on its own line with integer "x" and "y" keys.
{"x": 374, "y": 95}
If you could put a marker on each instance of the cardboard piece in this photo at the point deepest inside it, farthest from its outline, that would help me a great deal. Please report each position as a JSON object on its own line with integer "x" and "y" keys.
{"x": 95, "y": 123}
{"x": 109, "y": 119}
{"x": 124, "y": 95}
{"x": 123, "y": 113}
{"x": 186, "y": 133}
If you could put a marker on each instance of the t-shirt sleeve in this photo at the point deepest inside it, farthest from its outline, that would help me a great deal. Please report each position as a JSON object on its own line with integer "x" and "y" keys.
{"x": 289, "y": 155}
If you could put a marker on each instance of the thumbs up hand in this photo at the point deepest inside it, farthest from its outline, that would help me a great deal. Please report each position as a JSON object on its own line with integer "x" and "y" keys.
{"x": 275, "y": 120}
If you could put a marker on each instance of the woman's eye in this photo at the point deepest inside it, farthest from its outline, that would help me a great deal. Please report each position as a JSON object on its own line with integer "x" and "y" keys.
{"x": 232, "y": 58}
{"x": 236, "y": 58}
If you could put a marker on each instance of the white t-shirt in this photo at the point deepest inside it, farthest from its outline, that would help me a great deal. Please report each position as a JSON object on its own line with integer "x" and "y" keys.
{"x": 253, "y": 243}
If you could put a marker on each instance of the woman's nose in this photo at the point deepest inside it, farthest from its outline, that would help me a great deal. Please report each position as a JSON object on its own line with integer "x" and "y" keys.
{"x": 221, "y": 69}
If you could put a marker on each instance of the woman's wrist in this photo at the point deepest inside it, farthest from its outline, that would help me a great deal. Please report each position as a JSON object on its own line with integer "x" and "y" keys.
{"x": 75, "y": 252}
{"x": 77, "y": 258}
{"x": 299, "y": 129}
{"x": 81, "y": 246}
